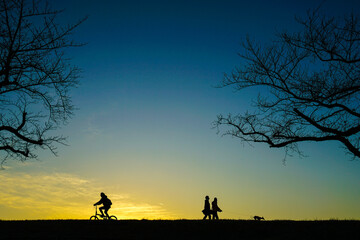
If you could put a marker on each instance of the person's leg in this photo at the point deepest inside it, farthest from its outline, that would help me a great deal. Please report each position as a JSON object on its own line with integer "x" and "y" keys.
{"x": 106, "y": 212}
{"x": 101, "y": 210}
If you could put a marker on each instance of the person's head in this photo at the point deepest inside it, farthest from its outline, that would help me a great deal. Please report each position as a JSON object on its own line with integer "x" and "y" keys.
{"x": 102, "y": 194}
{"x": 207, "y": 197}
{"x": 215, "y": 199}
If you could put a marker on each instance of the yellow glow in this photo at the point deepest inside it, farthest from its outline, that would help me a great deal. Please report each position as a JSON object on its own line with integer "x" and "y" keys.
{"x": 64, "y": 196}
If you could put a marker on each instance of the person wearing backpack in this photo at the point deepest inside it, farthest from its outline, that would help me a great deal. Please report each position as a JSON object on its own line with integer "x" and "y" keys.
{"x": 106, "y": 205}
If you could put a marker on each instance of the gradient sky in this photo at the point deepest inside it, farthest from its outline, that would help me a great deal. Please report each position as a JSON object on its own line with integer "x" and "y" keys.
{"x": 143, "y": 131}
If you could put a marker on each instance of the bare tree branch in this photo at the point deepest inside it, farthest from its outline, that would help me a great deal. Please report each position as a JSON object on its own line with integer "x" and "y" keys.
{"x": 311, "y": 80}
{"x": 34, "y": 74}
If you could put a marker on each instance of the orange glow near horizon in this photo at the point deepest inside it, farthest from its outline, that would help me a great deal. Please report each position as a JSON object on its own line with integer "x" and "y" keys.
{"x": 63, "y": 196}
{"x": 67, "y": 196}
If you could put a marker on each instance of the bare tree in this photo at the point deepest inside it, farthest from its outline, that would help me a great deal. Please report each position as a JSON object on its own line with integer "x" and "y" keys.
{"x": 309, "y": 86}
{"x": 35, "y": 77}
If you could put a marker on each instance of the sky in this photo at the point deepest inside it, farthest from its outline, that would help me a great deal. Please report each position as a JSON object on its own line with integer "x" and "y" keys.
{"x": 143, "y": 132}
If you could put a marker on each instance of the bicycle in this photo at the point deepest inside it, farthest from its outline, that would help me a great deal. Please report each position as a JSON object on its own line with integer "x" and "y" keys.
{"x": 98, "y": 216}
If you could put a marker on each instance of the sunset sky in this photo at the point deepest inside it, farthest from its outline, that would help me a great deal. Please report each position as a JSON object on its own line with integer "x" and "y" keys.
{"x": 143, "y": 129}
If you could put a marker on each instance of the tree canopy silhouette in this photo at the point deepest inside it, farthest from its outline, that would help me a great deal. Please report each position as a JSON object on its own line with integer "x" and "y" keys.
{"x": 35, "y": 77}
{"x": 309, "y": 86}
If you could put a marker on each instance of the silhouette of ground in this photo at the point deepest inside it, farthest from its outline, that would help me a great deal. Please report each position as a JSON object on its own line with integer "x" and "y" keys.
{"x": 179, "y": 229}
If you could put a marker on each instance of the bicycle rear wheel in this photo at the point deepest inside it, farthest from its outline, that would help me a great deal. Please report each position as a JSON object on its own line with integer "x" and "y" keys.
{"x": 112, "y": 217}
{"x": 94, "y": 218}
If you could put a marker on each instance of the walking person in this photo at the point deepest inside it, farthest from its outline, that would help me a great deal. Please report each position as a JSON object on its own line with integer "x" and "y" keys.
{"x": 207, "y": 211}
{"x": 215, "y": 209}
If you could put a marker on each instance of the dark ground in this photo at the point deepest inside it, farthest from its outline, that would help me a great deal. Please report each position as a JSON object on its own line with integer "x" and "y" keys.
{"x": 179, "y": 229}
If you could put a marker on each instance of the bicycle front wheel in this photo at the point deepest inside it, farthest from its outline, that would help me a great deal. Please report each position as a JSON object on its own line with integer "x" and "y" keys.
{"x": 94, "y": 218}
{"x": 112, "y": 217}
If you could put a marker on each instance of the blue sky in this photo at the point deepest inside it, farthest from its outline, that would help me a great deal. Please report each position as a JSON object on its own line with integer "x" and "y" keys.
{"x": 143, "y": 129}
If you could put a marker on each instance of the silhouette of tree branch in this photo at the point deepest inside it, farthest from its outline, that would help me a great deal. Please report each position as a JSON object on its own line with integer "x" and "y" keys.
{"x": 35, "y": 77}
{"x": 309, "y": 85}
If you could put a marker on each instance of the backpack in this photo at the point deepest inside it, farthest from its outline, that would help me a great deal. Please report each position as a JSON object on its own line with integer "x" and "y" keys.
{"x": 109, "y": 202}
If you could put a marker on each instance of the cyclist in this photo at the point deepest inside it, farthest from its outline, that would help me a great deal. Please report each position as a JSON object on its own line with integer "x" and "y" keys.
{"x": 106, "y": 204}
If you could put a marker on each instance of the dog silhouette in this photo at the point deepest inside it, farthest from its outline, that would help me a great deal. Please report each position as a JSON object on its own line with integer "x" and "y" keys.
{"x": 257, "y": 218}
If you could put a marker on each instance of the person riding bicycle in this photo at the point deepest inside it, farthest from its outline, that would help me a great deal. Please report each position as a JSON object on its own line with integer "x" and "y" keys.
{"x": 106, "y": 204}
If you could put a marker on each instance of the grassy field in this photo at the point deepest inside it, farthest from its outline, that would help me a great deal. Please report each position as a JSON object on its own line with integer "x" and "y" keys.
{"x": 179, "y": 229}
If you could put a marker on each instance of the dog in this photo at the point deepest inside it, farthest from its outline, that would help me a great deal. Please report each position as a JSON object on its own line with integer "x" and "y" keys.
{"x": 257, "y": 218}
